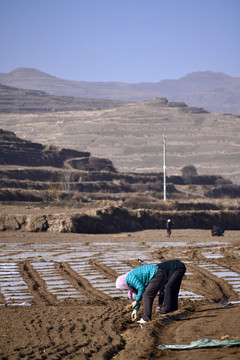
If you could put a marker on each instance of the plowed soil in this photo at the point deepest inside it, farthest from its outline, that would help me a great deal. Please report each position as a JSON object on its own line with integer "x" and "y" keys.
{"x": 98, "y": 326}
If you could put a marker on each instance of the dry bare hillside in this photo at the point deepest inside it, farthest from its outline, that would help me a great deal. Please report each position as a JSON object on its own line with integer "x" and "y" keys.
{"x": 131, "y": 136}
{"x": 14, "y": 100}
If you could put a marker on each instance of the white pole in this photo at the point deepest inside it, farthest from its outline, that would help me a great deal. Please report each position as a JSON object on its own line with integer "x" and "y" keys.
{"x": 164, "y": 168}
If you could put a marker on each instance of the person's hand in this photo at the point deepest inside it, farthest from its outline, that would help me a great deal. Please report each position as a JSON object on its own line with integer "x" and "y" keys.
{"x": 134, "y": 315}
{"x": 131, "y": 306}
{"x": 134, "y": 303}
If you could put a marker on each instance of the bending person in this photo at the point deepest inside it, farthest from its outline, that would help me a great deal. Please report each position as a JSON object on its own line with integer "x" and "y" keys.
{"x": 142, "y": 283}
{"x": 168, "y": 295}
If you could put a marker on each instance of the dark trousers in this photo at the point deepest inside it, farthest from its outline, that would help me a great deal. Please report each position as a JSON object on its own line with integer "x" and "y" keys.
{"x": 172, "y": 288}
{"x": 151, "y": 291}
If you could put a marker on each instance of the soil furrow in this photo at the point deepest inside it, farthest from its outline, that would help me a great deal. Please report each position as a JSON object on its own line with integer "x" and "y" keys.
{"x": 80, "y": 283}
{"x": 204, "y": 283}
{"x": 35, "y": 284}
{"x": 104, "y": 270}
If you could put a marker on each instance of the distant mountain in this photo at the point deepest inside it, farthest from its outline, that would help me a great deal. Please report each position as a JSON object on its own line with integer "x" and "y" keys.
{"x": 216, "y": 92}
{"x": 13, "y": 100}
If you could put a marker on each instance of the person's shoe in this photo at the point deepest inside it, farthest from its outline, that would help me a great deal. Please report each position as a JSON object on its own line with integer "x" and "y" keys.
{"x": 141, "y": 321}
{"x": 162, "y": 312}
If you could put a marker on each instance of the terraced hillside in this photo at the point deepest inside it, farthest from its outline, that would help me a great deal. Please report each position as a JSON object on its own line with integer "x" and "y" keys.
{"x": 33, "y": 172}
{"x": 131, "y": 136}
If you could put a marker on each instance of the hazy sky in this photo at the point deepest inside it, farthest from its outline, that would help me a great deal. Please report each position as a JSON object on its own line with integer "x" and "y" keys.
{"x": 120, "y": 40}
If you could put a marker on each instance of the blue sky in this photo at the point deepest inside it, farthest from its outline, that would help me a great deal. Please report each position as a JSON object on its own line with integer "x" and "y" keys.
{"x": 120, "y": 40}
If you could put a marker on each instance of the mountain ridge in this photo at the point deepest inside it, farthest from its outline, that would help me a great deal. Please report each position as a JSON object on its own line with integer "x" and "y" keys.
{"x": 215, "y": 91}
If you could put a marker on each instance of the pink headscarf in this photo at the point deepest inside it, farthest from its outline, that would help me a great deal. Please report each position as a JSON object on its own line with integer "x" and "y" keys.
{"x": 122, "y": 285}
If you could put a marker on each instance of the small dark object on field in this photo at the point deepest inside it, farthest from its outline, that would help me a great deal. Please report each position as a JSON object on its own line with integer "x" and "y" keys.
{"x": 217, "y": 231}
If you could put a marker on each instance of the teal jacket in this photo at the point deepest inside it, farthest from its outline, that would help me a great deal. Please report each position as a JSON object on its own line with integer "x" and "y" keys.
{"x": 140, "y": 277}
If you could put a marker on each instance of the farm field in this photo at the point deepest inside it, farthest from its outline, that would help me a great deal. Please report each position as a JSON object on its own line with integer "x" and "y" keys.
{"x": 58, "y": 297}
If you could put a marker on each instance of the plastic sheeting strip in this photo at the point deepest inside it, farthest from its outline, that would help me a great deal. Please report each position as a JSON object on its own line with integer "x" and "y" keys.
{"x": 202, "y": 343}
